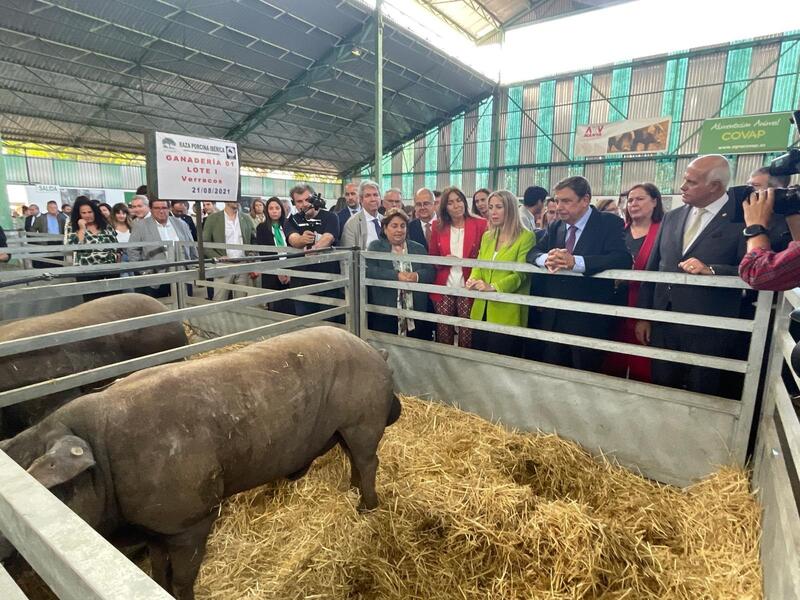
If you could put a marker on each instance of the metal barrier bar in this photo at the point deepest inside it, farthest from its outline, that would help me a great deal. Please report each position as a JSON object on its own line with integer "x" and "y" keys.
{"x": 621, "y": 274}
{"x": 78, "y": 334}
{"x": 703, "y": 360}
{"x": 76, "y": 380}
{"x": 73, "y": 559}
{"x": 755, "y": 356}
{"x": 614, "y": 310}
{"x": 682, "y": 397}
{"x": 29, "y": 294}
{"x": 8, "y": 587}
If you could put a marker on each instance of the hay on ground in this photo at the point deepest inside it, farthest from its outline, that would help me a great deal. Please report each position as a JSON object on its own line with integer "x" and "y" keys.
{"x": 471, "y": 510}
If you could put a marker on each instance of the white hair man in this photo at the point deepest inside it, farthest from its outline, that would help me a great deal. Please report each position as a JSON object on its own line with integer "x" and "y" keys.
{"x": 365, "y": 227}
{"x": 699, "y": 239}
{"x": 140, "y": 207}
{"x": 393, "y": 198}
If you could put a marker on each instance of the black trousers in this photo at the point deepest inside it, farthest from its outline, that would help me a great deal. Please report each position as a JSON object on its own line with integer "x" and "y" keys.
{"x": 575, "y": 323}
{"x": 700, "y": 340}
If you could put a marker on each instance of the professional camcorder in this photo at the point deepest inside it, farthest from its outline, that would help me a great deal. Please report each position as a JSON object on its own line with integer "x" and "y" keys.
{"x": 787, "y": 200}
{"x": 305, "y": 223}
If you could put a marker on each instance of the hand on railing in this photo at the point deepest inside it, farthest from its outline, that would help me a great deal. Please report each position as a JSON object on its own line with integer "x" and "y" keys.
{"x": 642, "y": 331}
{"x": 479, "y": 285}
{"x": 559, "y": 259}
{"x": 694, "y": 266}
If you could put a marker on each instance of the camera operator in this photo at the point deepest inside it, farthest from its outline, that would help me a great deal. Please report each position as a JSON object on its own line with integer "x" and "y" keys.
{"x": 762, "y": 268}
{"x": 311, "y": 228}
{"x": 300, "y": 237}
{"x": 779, "y": 235}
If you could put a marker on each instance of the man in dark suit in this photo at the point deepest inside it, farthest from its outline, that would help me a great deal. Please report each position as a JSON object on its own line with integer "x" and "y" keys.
{"x": 180, "y": 210}
{"x": 30, "y": 218}
{"x": 352, "y": 206}
{"x": 698, "y": 238}
{"x": 52, "y": 222}
{"x": 585, "y": 241}
{"x": 420, "y": 228}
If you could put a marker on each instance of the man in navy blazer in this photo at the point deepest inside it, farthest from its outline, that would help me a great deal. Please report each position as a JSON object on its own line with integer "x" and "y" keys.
{"x": 420, "y": 228}
{"x": 699, "y": 238}
{"x": 584, "y": 241}
{"x": 352, "y": 206}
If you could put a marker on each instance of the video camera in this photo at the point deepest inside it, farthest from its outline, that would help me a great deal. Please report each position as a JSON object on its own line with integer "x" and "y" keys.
{"x": 787, "y": 200}
{"x": 305, "y": 223}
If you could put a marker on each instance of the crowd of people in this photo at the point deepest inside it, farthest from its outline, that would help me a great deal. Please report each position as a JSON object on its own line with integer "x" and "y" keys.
{"x": 560, "y": 232}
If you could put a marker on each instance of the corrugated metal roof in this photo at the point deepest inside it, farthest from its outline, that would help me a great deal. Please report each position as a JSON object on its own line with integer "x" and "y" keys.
{"x": 100, "y": 73}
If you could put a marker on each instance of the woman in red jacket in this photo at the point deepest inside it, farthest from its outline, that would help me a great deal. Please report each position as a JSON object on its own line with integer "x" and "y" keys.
{"x": 457, "y": 234}
{"x": 643, "y": 214}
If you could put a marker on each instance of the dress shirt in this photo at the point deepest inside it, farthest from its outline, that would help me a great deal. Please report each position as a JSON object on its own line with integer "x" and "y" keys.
{"x": 456, "y": 276}
{"x": 372, "y": 234}
{"x": 167, "y": 232}
{"x": 711, "y": 211}
{"x": 233, "y": 235}
{"x": 52, "y": 224}
{"x": 580, "y": 265}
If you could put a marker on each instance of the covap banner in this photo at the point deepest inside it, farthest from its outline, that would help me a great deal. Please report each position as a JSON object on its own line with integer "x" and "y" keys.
{"x": 190, "y": 168}
{"x": 632, "y": 136}
{"x": 750, "y": 134}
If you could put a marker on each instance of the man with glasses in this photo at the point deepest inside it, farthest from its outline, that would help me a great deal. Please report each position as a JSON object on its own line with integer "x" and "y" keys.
{"x": 161, "y": 227}
{"x": 420, "y": 228}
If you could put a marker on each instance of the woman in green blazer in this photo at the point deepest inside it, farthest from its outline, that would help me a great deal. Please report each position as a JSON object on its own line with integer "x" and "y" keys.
{"x": 394, "y": 239}
{"x": 505, "y": 241}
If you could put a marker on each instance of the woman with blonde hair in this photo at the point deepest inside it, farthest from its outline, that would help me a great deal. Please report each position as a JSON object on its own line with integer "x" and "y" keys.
{"x": 506, "y": 240}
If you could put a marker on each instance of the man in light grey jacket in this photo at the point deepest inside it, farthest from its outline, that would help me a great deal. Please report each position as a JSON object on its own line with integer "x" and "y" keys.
{"x": 162, "y": 227}
{"x": 364, "y": 227}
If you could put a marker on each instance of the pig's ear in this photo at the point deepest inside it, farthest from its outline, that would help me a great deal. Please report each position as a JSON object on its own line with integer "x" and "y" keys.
{"x": 67, "y": 457}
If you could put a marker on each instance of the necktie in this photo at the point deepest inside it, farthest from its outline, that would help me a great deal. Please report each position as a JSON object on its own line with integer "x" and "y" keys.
{"x": 570, "y": 244}
{"x": 427, "y": 233}
{"x": 693, "y": 229}
{"x": 377, "y": 227}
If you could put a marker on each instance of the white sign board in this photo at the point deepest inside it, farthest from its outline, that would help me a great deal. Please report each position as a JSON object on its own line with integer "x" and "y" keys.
{"x": 190, "y": 168}
{"x": 633, "y": 136}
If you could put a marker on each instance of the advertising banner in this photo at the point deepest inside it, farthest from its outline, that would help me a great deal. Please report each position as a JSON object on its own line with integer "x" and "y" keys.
{"x": 632, "y": 136}
{"x": 749, "y": 134}
{"x": 191, "y": 168}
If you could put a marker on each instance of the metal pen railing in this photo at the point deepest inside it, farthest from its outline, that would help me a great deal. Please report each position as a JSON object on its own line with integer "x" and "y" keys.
{"x": 756, "y": 328}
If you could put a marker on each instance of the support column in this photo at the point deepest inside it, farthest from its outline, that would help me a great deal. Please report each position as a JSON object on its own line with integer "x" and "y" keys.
{"x": 377, "y": 174}
{"x": 494, "y": 154}
{"x": 5, "y": 207}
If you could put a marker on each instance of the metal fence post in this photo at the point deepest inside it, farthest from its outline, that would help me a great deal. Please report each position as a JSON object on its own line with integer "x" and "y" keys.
{"x": 172, "y": 254}
{"x": 362, "y": 293}
{"x": 755, "y": 357}
{"x": 352, "y": 294}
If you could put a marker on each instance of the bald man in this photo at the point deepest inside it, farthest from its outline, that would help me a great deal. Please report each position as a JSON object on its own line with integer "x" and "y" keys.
{"x": 698, "y": 239}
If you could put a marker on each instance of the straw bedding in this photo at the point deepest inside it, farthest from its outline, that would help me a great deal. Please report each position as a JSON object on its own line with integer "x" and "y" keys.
{"x": 471, "y": 510}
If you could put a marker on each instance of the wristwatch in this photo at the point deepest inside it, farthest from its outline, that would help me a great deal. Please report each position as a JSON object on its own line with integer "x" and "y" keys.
{"x": 754, "y": 230}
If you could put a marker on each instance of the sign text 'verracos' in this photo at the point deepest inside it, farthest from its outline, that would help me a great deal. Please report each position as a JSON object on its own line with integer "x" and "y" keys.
{"x": 189, "y": 168}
